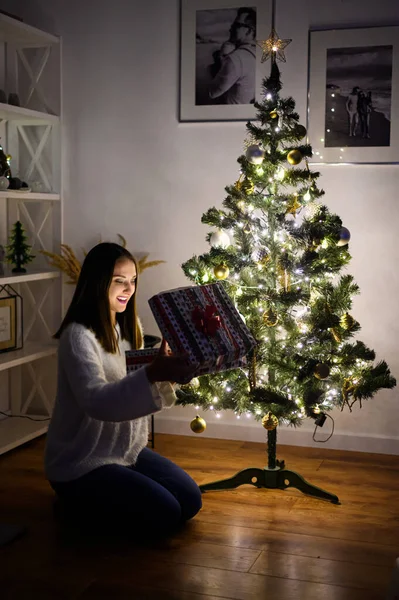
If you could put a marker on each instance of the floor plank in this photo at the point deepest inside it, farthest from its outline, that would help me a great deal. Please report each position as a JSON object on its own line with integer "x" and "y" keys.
{"x": 245, "y": 544}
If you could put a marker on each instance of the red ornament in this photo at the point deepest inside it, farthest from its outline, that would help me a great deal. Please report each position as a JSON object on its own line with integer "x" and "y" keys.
{"x": 206, "y": 320}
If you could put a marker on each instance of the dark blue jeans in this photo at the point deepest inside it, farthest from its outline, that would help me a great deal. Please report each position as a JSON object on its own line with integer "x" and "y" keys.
{"x": 153, "y": 497}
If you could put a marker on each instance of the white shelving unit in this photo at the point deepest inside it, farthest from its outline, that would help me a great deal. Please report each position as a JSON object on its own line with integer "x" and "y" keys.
{"x": 31, "y": 134}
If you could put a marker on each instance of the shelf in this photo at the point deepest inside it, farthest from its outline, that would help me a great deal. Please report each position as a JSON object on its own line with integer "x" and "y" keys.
{"x": 16, "y": 32}
{"x": 8, "y": 112}
{"x": 38, "y": 275}
{"x": 15, "y": 431}
{"x": 30, "y": 352}
{"x": 32, "y": 196}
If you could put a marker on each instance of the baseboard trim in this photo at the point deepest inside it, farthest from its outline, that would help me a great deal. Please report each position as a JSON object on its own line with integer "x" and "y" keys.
{"x": 287, "y": 436}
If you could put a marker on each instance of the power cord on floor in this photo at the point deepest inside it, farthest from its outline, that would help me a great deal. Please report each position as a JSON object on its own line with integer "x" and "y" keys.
{"x": 24, "y": 417}
{"x": 322, "y": 422}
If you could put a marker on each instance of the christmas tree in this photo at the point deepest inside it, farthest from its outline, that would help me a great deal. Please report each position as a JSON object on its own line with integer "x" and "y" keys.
{"x": 281, "y": 254}
{"x": 18, "y": 251}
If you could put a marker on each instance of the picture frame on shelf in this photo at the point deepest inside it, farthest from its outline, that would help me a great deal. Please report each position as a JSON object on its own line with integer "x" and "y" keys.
{"x": 353, "y": 92}
{"x": 210, "y": 30}
{"x": 11, "y": 324}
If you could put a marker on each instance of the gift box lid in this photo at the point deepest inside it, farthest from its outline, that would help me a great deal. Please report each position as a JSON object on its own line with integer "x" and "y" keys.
{"x": 199, "y": 320}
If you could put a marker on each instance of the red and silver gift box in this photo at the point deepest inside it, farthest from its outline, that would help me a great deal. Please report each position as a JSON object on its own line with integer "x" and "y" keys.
{"x": 135, "y": 359}
{"x": 203, "y": 323}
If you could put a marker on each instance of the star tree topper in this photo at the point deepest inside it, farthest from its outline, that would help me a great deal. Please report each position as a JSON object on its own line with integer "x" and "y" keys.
{"x": 273, "y": 47}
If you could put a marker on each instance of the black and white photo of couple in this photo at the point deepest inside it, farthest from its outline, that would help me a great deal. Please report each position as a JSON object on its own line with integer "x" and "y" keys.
{"x": 359, "y": 106}
{"x": 225, "y": 56}
{"x": 358, "y": 96}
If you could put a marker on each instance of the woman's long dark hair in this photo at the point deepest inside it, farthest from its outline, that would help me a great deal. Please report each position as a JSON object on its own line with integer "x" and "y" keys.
{"x": 90, "y": 303}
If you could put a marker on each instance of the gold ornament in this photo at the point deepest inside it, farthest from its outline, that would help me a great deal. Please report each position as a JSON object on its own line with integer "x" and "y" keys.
{"x": 270, "y": 421}
{"x": 198, "y": 425}
{"x": 238, "y": 183}
{"x": 321, "y": 371}
{"x": 252, "y": 372}
{"x": 294, "y": 157}
{"x": 261, "y": 257}
{"x": 245, "y": 185}
{"x": 248, "y": 186}
{"x": 273, "y": 114}
{"x": 293, "y": 206}
{"x": 284, "y": 278}
{"x": 348, "y": 388}
{"x": 273, "y": 47}
{"x": 347, "y": 322}
{"x": 264, "y": 261}
{"x": 195, "y": 383}
{"x": 221, "y": 271}
{"x": 9, "y": 157}
{"x": 270, "y": 318}
{"x": 336, "y": 335}
{"x": 247, "y": 228}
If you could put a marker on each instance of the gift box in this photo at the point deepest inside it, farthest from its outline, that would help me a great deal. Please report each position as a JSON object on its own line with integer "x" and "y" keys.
{"x": 203, "y": 323}
{"x": 135, "y": 359}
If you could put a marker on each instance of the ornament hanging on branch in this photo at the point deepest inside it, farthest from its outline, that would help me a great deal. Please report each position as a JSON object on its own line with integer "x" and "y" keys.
{"x": 347, "y": 322}
{"x": 270, "y": 318}
{"x": 261, "y": 256}
{"x": 219, "y": 239}
{"x": 337, "y": 337}
{"x": 284, "y": 278}
{"x": 221, "y": 271}
{"x": 293, "y": 206}
{"x": 344, "y": 237}
{"x": 255, "y": 154}
{"x": 198, "y": 425}
{"x": 322, "y": 371}
{"x": 245, "y": 185}
{"x": 300, "y": 131}
{"x": 294, "y": 156}
{"x": 269, "y": 421}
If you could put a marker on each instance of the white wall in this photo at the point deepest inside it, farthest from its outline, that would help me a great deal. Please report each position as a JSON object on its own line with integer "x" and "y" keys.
{"x": 132, "y": 168}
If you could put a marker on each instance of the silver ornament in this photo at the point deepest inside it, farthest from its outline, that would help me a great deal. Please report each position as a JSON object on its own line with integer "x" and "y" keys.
{"x": 4, "y": 184}
{"x": 219, "y": 239}
{"x": 255, "y": 154}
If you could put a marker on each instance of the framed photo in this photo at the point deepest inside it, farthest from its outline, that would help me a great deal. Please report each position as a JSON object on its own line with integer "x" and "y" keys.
{"x": 353, "y": 95}
{"x": 8, "y": 323}
{"x": 220, "y": 68}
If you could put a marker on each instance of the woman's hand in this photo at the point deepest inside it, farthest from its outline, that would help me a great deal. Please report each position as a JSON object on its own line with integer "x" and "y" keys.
{"x": 169, "y": 367}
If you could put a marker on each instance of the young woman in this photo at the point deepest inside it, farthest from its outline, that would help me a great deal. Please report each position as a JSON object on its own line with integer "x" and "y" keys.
{"x": 96, "y": 457}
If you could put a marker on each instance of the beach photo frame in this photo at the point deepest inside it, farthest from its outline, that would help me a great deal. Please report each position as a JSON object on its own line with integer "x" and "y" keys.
{"x": 205, "y": 45}
{"x": 353, "y": 95}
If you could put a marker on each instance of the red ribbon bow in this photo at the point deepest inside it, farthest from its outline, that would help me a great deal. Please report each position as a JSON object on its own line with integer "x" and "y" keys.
{"x": 207, "y": 321}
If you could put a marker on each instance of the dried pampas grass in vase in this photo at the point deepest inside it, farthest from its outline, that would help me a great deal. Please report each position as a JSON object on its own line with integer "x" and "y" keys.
{"x": 68, "y": 263}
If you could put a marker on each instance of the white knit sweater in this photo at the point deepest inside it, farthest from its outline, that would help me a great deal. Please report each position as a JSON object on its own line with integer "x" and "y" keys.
{"x": 100, "y": 414}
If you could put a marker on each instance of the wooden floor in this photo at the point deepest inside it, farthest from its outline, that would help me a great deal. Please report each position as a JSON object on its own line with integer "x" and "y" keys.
{"x": 245, "y": 544}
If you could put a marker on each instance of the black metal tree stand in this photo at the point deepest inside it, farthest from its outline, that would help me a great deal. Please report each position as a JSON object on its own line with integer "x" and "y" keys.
{"x": 274, "y": 476}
